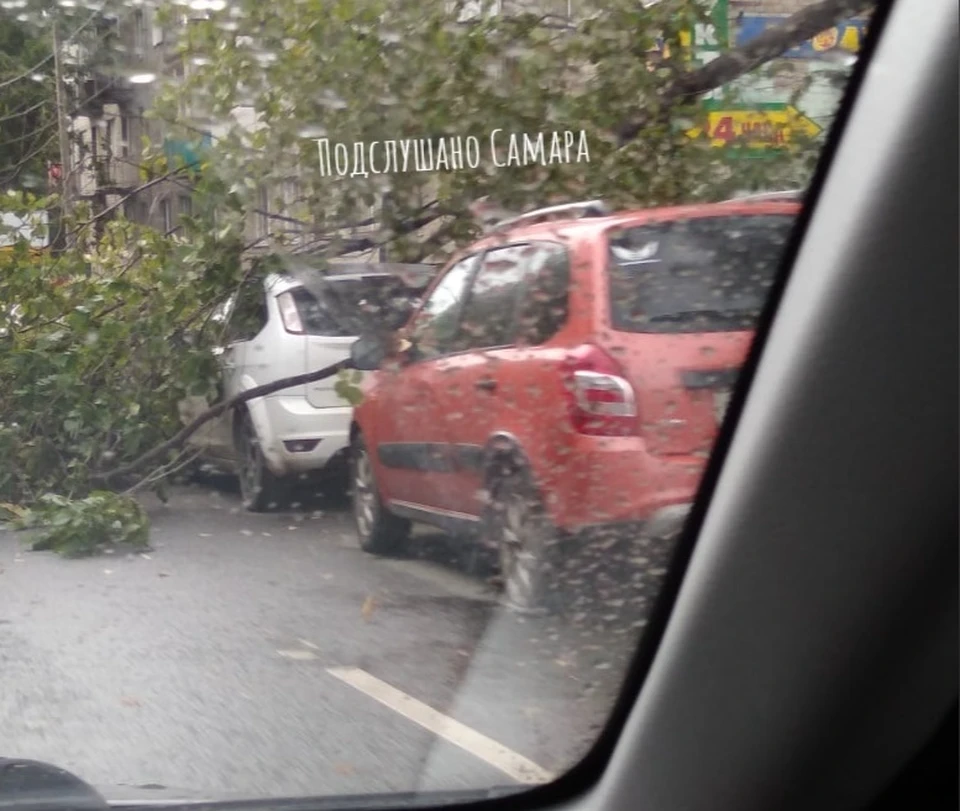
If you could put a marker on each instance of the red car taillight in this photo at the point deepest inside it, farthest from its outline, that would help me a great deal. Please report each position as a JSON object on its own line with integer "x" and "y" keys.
{"x": 601, "y": 400}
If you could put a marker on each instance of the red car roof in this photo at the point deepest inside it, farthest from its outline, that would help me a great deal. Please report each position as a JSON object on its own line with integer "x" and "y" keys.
{"x": 596, "y": 225}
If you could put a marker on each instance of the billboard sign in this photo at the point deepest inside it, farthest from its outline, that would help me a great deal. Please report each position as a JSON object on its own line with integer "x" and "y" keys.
{"x": 846, "y": 36}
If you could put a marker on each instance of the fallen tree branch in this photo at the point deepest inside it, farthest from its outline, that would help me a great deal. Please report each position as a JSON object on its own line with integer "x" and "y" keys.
{"x": 173, "y": 173}
{"x": 733, "y": 64}
{"x": 359, "y": 244}
{"x": 215, "y": 411}
{"x": 182, "y": 461}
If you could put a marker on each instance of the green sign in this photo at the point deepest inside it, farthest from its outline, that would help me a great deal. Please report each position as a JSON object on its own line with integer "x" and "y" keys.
{"x": 713, "y": 35}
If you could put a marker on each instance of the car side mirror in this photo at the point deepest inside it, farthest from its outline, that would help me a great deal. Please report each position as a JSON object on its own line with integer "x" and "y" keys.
{"x": 398, "y": 314}
{"x": 368, "y": 352}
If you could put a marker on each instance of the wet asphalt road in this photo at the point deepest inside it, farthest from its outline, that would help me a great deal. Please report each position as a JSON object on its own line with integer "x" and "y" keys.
{"x": 205, "y": 663}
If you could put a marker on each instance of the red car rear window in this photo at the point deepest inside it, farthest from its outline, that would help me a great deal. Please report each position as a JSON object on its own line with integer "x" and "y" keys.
{"x": 701, "y": 275}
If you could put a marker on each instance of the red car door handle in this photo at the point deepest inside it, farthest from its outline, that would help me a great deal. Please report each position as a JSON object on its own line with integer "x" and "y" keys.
{"x": 486, "y": 383}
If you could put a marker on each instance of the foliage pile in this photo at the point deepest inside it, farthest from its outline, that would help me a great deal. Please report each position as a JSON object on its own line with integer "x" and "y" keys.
{"x": 81, "y": 527}
{"x": 97, "y": 348}
{"x": 27, "y": 116}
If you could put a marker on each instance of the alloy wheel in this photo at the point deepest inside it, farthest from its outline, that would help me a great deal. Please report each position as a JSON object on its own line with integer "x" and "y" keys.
{"x": 251, "y": 464}
{"x": 364, "y": 494}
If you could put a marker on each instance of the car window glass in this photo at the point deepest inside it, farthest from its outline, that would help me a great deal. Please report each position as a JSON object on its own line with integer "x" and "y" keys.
{"x": 545, "y": 302}
{"x": 487, "y": 318}
{"x": 693, "y": 275}
{"x": 435, "y": 325}
{"x": 318, "y": 319}
{"x": 342, "y": 307}
{"x": 249, "y": 314}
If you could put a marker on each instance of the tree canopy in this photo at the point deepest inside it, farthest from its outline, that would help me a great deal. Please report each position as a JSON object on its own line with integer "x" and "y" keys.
{"x": 374, "y": 84}
{"x": 28, "y": 135}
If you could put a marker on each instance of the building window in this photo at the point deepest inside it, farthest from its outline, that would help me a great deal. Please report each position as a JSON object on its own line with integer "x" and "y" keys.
{"x": 137, "y": 211}
{"x": 156, "y": 31}
{"x": 124, "y": 136}
{"x": 186, "y": 204}
{"x": 166, "y": 216}
{"x": 139, "y": 32}
{"x": 291, "y": 193}
{"x": 108, "y": 137}
{"x": 263, "y": 213}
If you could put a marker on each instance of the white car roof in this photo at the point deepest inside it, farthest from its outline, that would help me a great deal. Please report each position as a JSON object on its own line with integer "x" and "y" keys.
{"x": 278, "y": 283}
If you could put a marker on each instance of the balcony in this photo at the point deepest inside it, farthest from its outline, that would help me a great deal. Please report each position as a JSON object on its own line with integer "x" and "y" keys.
{"x": 97, "y": 176}
{"x": 100, "y": 90}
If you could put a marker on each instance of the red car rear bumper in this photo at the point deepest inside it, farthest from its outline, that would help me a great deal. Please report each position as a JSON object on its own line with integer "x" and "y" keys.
{"x": 613, "y": 480}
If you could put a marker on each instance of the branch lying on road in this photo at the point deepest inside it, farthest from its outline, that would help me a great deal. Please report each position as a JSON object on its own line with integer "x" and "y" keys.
{"x": 733, "y": 64}
{"x": 215, "y": 411}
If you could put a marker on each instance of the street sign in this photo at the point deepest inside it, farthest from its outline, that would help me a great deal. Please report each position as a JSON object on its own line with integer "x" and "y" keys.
{"x": 709, "y": 37}
{"x": 713, "y": 35}
{"x": 844, "y": 36}
{"x": 767, "y": 126}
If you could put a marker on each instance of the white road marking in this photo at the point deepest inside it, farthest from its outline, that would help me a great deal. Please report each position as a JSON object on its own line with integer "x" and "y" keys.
{"x": 298, "y": 655}
{"x": 443, "y": 726}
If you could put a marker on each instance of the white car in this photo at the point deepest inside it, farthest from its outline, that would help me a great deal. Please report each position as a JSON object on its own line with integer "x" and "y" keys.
{"x": 284, "y": 324}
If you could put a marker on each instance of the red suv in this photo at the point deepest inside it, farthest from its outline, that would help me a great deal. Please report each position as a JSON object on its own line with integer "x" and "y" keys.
{"x": 562, "y": 375}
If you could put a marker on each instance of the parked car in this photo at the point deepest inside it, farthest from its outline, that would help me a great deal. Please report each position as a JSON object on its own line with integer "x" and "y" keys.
{"x": 560, "y": 376}
{"x": 287, "y": 323}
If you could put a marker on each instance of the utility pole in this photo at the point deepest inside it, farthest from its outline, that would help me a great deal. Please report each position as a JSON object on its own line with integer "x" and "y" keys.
{"x": 66, "y": 173}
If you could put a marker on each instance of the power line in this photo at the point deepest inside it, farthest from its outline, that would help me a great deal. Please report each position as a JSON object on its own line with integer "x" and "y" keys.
{"x": 30, "y": 71}
{"x": 26, "y": 136}
{"x": 52, "y": 122}
{"x": 12, "y": 172}
{"x": 29, "y": 110}
{"x": 63, "y": 129}
{"x": 101, "y": 38}
{"x": 59, "y": 121}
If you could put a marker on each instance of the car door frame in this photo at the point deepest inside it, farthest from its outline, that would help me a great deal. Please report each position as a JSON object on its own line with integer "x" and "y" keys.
{"x": 399, "y": 453}
{"x": 232, "y": 364}
{"x": 467, "y": 458}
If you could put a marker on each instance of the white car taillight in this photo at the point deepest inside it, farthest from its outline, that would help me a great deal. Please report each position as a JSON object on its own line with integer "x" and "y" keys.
{"x": 602, "y": 402}
{"x": 604, "y": 395}
{"x": 290, "y": 314}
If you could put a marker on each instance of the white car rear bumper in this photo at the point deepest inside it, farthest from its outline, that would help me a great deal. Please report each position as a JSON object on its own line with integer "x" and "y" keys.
{"x": 283, "y": 422}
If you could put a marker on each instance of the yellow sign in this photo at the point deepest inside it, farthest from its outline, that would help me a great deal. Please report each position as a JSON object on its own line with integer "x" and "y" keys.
{"x": 848, "y": 38}
{"x": 829, "y": 39}
{"x": 9, "y": 249}
{"x": 757, "y": 129}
